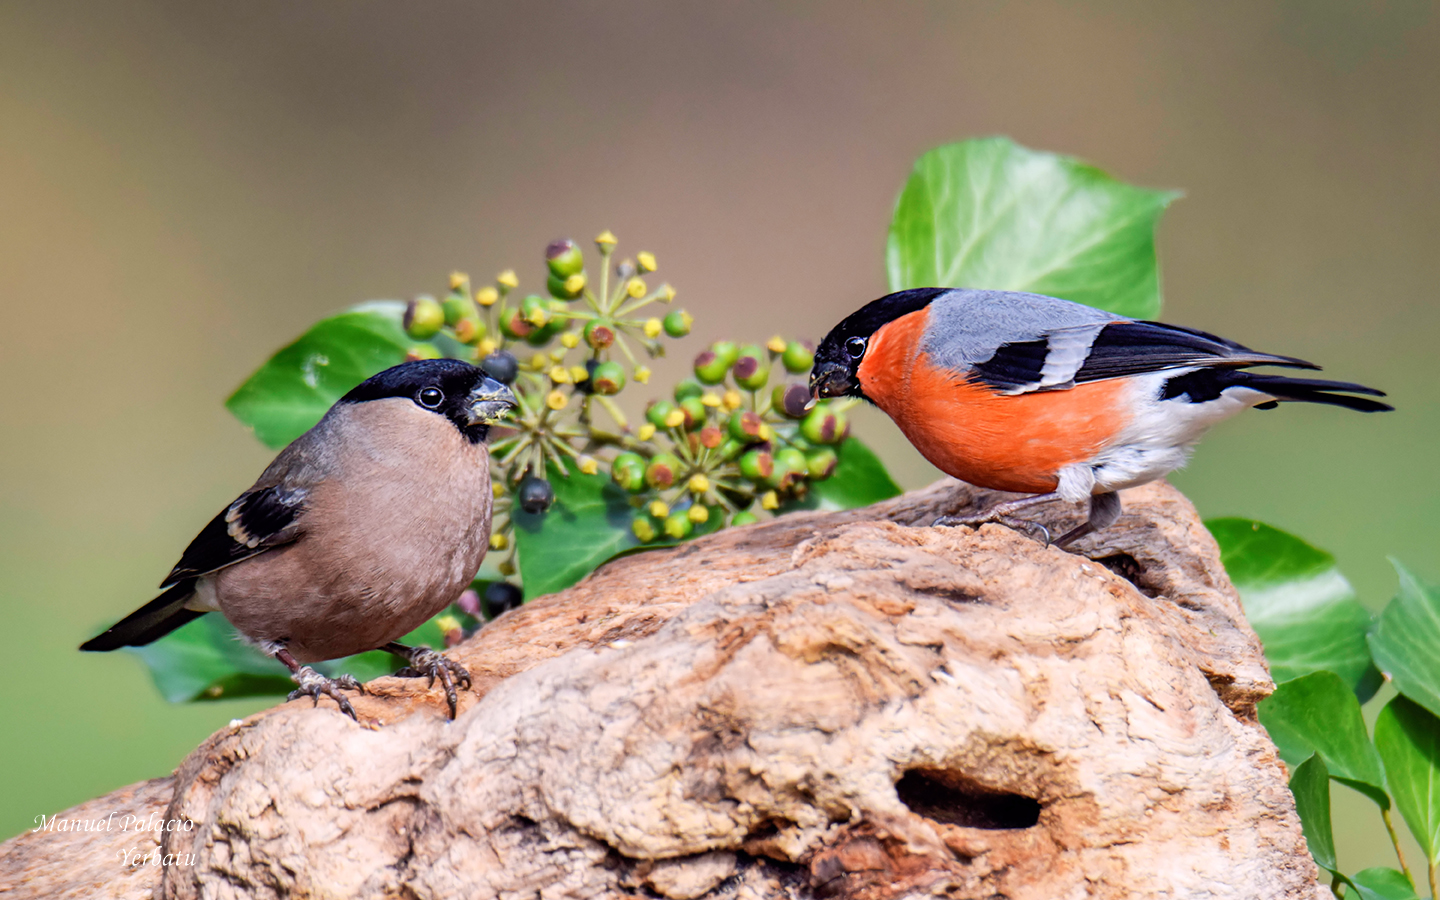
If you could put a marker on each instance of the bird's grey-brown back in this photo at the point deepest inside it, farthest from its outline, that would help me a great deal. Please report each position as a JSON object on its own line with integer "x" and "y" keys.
{"x": 378, "y": 475}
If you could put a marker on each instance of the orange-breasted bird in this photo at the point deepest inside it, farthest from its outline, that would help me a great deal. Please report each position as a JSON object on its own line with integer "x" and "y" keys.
{"x": 1032, "y": 394}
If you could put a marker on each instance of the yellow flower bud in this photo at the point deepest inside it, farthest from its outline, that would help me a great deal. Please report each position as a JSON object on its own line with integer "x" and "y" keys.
{"x": 497, "y": 489}
{"x": 711, "y": 399}
{"x": 658, "y": 509}
{"x": 560, "y": 375}
{"x": 605, "y": 241}
{"x": 646, "y": 432}
{"x": 653, "y": 328}
{"x": 458, "y": 280}
{"x": 646, "y": 260}
{"x": 538, "y": 316}
{"x": 539, "y": 362}
{"x": 776, "y": 344}
{"x": 642, "y": 374}
{"x": 589, "y": 465}
{"x": 557, "y": 355}
{"x": 667, "y": 293}
{"x": 498, "y": 541}
{"x": 675, "y": 419}
{"x": 575, "y": 283}
{"x": 766, "y": 432}
{"x": 769, "y": 500}
{"x": 698, "y": 514}
{"x": 507, "y": 567}
{"x": 447, "y": 623}
{"x": 635, "y": 287}
{"x": 732, "y": 400}
{"x": 556, "y": 400}
{"x": 487, "y": 296}
{"x": 569, "y": 340}
{"x": 578, "y": 374}
{"x": 508, "y": 279}
{"x": 487, "y": 347}
{"x": 699, "y": 484}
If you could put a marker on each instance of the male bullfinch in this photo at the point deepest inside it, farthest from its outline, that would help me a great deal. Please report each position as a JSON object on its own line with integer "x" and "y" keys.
{"x": 1031, "y": 394}
{"x": 363, "y": 528}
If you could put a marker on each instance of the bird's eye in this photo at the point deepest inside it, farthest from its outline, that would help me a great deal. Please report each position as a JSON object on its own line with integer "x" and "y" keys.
{"x": 855, "y": 347}
{"x": 430, "y": 397}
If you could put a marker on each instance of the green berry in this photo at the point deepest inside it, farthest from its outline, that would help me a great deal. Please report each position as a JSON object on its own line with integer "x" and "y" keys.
{"x": 677, "y": 324}
{"x": 710, "y": 368}
{"x": 688, "y": 387}
{"x": 695, "y": 412}
{"x": 745, "y": 426}
{"x": 658, "y": 411}
{"x": 608, "y": 378}
{"x": 663, "y": 470}
{"x": 797, "y": 358}
{"x": 457, "y": 307}
{"x": 730, "y": 448}
{"x": 423, "y": 351}
{"x": 643, "y": 527}
{"x": 564, "y": 258}
{"x": 599, "y": 333}
{"x": 790, "y": 465}
{"x": 727, "y": 351}
{"x": 534, "y": 310}
{"x": 514, "y": 326}
{"x": 628, "y": 471}
{"x": 825, "y": 426}
{"x": 821, "y": 464}
{"x": 469, "y": 330}
{"x": 424, "y": 317}
{"x": 562, "y": 288}
{"x": 678, "y": 525}
{"x": 757, "y": 465}
{"x": 743, "y": 518}
{"x": 752, "y": 368}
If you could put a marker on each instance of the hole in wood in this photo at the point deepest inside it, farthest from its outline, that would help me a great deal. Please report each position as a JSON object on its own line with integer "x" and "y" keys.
{"x": 954, "y": 799}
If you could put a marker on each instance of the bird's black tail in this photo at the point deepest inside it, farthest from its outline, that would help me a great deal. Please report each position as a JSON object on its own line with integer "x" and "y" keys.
{"x": 1312, "y": 390}
{"x": 150, "y": 622}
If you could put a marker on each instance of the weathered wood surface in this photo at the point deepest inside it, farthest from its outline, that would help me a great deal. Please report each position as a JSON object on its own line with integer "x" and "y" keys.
{"x": 826, "y": 705}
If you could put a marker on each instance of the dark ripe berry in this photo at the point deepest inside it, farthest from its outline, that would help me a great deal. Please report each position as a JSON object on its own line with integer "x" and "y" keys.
{"x": 790, "y": 400}
{"x": 501, "y": 366}
{"x": 564, "y": 258}
{"x": 535, "y": 494}
{"x": 500, "y": 597}
{"x": 798, "y": 357}
{"x": 424, "y": 317}
{"x": 686, "y": 388}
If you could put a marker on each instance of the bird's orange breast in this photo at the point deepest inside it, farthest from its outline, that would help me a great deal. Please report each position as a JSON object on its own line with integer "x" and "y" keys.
{"x": 1005, "y": 442}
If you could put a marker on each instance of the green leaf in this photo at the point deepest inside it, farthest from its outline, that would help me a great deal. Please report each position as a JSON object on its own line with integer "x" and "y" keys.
{"x": 859, "y": 480}
{"x": 1303, "y": 609}
{"x": 1318, "y": 713}
{"x": 1311, "y": 786}
{"x": 989, "y": 213}
{"x": 1381, "y": 883}
{"x": 1406, "y": 640}
{"x": 587, "y": 525}
{"x": 1408, "y": 738}
{"x": 290, "y": 392}
{"x": 207, "y": 660}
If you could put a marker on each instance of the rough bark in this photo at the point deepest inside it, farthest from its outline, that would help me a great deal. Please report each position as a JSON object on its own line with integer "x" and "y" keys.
{"x": 826, "y": 705}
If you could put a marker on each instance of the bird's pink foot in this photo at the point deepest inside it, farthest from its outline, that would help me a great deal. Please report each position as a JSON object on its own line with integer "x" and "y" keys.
{"x": 314, "y": 685}
{"x": 426, "y": 663}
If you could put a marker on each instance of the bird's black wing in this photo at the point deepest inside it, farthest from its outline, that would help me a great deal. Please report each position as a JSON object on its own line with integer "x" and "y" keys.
{"x": 1114, "y": 350}
{"x": 257, "y": 521}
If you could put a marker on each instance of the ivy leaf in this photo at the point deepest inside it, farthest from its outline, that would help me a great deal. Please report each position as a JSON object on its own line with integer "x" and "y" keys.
{"x": 207, "y": 660}
{"x": 859, "y": 480}
{"x": 1406, "y": 640}
{"x": 989, "y": 213}
{"x": 289, "y": 393}
{"x": 1303, "y": 609}
{"x": 1381, "y": 883}
{"x": 1318, "y": 714}
{"x": 1408, "y": 738}
{"x": 1311, "y": 786}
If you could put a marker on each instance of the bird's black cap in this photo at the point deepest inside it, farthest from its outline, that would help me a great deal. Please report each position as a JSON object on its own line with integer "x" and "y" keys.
{"x": 464, "y": 394}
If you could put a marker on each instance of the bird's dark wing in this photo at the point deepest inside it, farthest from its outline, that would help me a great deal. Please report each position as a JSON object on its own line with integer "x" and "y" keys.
{"x": 257, "y": 521}
{"x": 1115, "y": 350}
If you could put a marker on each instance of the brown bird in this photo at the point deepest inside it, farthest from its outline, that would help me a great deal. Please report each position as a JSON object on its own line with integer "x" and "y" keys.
{"x": 361, "y": 530}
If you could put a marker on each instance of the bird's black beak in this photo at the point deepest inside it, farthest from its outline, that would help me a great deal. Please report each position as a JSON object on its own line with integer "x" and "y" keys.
{"x": 489, "y": 403}
{"x": 829, "y": 380}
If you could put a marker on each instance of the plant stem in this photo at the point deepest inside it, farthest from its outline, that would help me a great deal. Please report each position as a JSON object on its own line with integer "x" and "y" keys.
{"x": 1399, "y": 854}
{"x": 1434, "y": 891}
{"x": 1337, "y": 887}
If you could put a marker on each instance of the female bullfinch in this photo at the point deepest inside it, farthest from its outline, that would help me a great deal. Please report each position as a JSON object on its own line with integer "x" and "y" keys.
{"x": 1036, "y": 395}
{"x": 362, "y": 529}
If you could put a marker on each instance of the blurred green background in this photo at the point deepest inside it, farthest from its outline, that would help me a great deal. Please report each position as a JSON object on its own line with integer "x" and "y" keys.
{"x": 185, "y": 187}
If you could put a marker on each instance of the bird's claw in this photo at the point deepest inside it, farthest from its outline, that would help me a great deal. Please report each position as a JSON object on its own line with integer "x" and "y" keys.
{"x": 1026, "y": 526}
{"x": 426, "y": 663}
{"x": 314, "y": 685}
